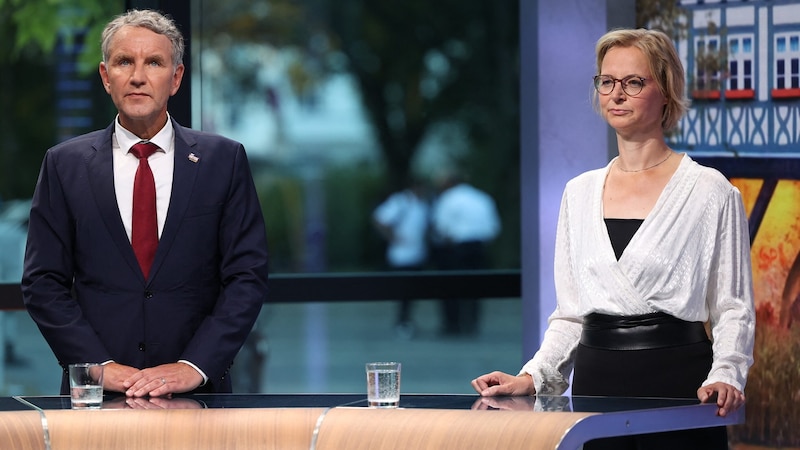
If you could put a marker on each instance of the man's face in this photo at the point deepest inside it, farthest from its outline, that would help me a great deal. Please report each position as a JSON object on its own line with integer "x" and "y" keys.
{"x": 140, "y": 77}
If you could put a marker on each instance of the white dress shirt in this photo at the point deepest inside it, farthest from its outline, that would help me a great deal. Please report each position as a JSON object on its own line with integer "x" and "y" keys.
{"x": 690, "y": 258}
{"x": 407, "y": 215}
{"x": 162, "y": 164}
{"x": 464, "y": 213}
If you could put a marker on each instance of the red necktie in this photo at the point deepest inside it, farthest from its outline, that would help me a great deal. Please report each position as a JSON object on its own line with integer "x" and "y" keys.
{"x": 144, "y": 233}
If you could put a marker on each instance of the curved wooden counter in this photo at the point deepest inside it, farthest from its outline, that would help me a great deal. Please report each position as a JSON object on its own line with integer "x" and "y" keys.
{"x": 284, "y": 429}
{"x": 337, "y": 421}
{"x": 21, "y": 430}
{"x": 179, "y": 429}
{"x": 419, "y": 429}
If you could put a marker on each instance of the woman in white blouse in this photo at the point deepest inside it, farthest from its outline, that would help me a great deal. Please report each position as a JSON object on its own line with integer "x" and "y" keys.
{"x": 648, "y": 250}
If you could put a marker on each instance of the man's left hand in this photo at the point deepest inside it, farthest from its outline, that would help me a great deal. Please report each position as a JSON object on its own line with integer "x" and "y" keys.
{"x": 173, "y": 378}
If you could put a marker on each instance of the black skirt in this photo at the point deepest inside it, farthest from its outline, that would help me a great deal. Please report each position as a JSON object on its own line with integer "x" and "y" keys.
{"x": 659, "y": 370}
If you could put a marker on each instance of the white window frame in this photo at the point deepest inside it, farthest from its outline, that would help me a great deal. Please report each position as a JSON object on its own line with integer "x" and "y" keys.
{"x": 790, "y": 80}
{"x": 741, "y": 58}
{"x": 704, "y": 41}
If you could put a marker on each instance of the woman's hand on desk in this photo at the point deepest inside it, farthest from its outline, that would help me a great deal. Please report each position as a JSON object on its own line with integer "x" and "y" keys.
{"x": 500, "y": 383}
{"x": 727, "y": 397}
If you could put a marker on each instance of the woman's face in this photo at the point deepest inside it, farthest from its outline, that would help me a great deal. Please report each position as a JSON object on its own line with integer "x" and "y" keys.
{"x": 631, "y": 115}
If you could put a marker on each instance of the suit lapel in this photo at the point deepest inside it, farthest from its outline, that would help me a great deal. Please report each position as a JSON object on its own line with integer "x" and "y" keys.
{"x": 183, "y": 181}
{"x": 100, "y": 166}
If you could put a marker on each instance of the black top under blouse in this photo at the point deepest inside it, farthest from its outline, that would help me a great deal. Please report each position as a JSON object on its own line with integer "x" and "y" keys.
{"x": 621, "y": 231}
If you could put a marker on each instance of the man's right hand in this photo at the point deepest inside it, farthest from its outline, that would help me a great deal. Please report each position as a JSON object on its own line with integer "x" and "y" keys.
{"x": 114, "y": 374}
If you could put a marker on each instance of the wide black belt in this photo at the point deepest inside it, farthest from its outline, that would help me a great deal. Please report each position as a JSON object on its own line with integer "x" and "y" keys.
{"x": 647, "y": 331}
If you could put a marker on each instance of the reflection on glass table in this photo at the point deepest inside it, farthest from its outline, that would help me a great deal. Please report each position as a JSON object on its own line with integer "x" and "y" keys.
{"x": 540, "y": 403}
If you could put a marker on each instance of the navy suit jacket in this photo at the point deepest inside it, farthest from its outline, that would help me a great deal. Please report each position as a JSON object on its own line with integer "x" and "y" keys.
{"x": 83, "y": 286}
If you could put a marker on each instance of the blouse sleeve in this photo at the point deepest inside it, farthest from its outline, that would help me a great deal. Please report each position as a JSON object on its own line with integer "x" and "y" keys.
{"x": 552, "y": 364}
{"x": 730, "y": 297}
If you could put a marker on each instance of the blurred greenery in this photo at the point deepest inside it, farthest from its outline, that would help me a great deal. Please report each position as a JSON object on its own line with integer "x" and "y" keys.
{"x": 37, "y": 41}
{"x": 665, "y": 15}
{"x": 281, "y": 201}
{"x": 419, "y": 66}
{"x": 34, "y": 27}
{"x": 351, "y": 194}
{"x": 26, "y": 124}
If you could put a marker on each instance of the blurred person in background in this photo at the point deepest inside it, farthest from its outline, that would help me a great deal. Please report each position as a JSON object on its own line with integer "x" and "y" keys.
{"x": 402, "y": 220}
{"x": 464, "y": 220}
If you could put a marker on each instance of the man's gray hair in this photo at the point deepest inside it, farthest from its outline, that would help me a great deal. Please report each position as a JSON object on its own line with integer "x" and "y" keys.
{"x": 153, "y": 21}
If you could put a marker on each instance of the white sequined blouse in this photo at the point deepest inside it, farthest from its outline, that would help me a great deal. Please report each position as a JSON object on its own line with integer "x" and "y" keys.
{"x": 690, "y": 258}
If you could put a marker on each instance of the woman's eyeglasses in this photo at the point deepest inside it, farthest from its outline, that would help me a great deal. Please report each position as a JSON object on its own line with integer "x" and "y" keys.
{"x": 631, "y": 85}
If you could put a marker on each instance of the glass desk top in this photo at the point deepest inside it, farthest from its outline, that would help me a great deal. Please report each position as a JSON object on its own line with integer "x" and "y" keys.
{"x": 413, "y": 401}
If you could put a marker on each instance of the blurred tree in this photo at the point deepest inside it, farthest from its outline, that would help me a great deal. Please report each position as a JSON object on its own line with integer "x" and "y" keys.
{"x": 35, "y": 27}
{"x": 35, "y": 38}
{"x": 420, "y": 67}
{"x": 711, "y": 60}
{"x": 665, "y": 15}
{"x": 418, "y": 64}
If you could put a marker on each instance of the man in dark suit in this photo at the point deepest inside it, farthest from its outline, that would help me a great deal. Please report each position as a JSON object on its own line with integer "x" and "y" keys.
{"x": 174, "y": 323}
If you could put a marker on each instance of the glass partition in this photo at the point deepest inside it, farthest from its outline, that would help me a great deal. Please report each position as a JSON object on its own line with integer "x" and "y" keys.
{"x": 51, "y": 91}
{"x": 341, "y": 104}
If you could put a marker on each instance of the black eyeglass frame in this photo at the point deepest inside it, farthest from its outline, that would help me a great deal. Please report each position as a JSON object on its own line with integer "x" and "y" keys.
{"x": 623, "y": 82}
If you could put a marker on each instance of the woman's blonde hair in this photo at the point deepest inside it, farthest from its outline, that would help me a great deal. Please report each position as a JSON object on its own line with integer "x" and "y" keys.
{"x": 664, "y": 64}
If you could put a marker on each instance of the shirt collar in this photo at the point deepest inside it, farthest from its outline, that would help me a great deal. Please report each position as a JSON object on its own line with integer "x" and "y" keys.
{"x": 164, "y": 139}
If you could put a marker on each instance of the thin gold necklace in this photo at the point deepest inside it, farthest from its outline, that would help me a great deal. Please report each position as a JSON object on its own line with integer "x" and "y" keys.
{"x": 648, "y": 167}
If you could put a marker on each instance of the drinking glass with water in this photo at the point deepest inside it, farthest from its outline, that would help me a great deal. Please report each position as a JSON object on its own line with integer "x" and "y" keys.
{"x": 86, "y": 385}
{"x": 383, "y": 384}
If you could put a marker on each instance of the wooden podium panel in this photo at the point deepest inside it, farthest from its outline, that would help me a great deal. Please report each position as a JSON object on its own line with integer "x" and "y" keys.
{"x": 421, "y": 429}
{"x": 183, "y": 429}
{"x": 21, "y": 430}
{"x": 342, "y": 421}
